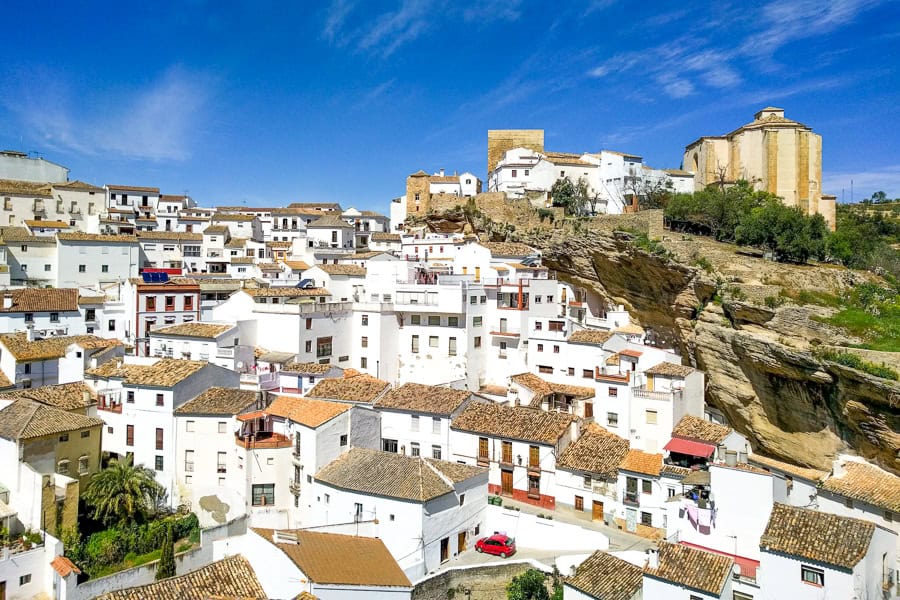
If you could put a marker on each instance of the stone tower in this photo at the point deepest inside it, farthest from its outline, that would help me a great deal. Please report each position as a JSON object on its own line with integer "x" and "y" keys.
{"x": 502, "y": 140}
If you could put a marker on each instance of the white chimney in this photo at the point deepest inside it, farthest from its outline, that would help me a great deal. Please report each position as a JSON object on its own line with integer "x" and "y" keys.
{"x": 652, "y": 558}
{"x": 837, "y": 468}
{"x": 7, "y": 301}
{"x": 29, "y": 333}
{"x": 442, "y": 172}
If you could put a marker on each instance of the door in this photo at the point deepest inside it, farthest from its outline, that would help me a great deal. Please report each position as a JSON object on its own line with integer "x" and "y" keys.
{"x": 461, "y": 539}
{"x": 588, "y": 410}
{"x": 2, "y": 590}
{"x": 597, "y": 511}
{"x": 506, "y": 484}
{"x": 579, "y": 503}
{"x": 445, "y": 549}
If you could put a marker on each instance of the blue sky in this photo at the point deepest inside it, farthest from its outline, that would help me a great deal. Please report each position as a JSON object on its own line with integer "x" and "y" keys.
{"x": 269, "y": 103}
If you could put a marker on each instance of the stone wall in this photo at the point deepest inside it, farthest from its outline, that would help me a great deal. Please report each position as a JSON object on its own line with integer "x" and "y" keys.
{"x": 472, "y": 583}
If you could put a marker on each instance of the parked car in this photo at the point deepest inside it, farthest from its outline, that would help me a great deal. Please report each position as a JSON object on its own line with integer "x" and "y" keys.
{"x": 499, "y": 544}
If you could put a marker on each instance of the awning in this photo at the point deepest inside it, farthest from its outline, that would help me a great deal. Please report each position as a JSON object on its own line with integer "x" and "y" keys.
{"x": 252, "y": 416}
{"x": 690, "y": 447}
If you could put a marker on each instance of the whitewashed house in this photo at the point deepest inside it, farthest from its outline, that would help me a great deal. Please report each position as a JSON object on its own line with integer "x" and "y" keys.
{"x": 679, "y": 572}
{"x": 415, "y": 419}
{"x": 299, "y": 378}
{"x": 427, "y": 510}
{"x": 518, "y": 444}
{"x": 218, "y": 343}
{"x": 88, "y": 259}
{"x": 46, "y": 311}
{"x": 806, "y": 554}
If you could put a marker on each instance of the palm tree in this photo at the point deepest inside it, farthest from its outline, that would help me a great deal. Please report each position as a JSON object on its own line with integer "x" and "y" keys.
{"x": 123, "y": 492}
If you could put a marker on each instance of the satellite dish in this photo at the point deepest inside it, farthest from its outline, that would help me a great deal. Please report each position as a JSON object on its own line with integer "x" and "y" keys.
{"x": 736, "y": 569}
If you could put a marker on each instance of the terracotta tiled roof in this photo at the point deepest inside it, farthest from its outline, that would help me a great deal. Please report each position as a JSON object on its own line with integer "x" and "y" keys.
{"x": 606, "y": 577}
{"x": 306, "y": 368}
{"x": 590, "y": 336}
{"x": 566, "y": 158}
{"x": 394, "y": 475}
{"x": 26, "y": 419}
{"x": 668, "y": 369}
{"x": 218, "y": 401}
{"x": 285, "y": 292}
{"x": 819, "y": 536}
{"x": 231, "y": 578}
{"x": 80, "y": 236}
{"x": 181, "y": 236}
{"x": 47, "y": 224}
{"x": 308, "y": 412}
{"x": 631, "y": 328}
{"x": 50, "y": 348}
{"x": 516, "y": 422}
{"x": 236, "y": 242}
{"x": 5, "y": 382}
{"x": 232, "y": 217}
{"x": 269, "y": 267}
{"x": 166, "y": 372}
{"x": 172, "y": 198}
{"x": 42, "y": 300}
{"x": 631, "y": 353}
{"x": 133, "y": 188}
{"x": 194, "y": 329}
{"x": 793, "y": 470}
{"x": 350, "y": 388}
{"x": 421, "y": 398}
{"x": 638, "y": 461}
{"x": 64, "y": 567}
{"x": 507, "y": 248}
{"x": 241, "y": 260}
{"x": 596, "y": 451}
{"x": 296, "y": 265}
{"x": 675, "y": 471}
{"x": 20, "y": 234}
{"x": 215, "y": 230}
{"x": 91, "y": 300}
{"x": 344, "y": 269}
{"x": 543, "y": 388}
{"x": 695, "y": 428}
{"x": 697, "y": 569}
{"x": 65, "y": 396}
{"x": 279, "y": 245}
{"x": 866, "y": 483}
{"x": 323, "y": 557}
{"x": 330, "y": 221}
{"x": 381, "y": 236}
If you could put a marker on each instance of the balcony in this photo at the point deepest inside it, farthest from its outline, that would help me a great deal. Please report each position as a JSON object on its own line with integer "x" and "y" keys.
{"x": 483, "y": 461}
{"x": 631, "y": 498}
{"x": 262, "y": 440}
{"x": 294, "y": 487}
{"x": 645, "y": 394}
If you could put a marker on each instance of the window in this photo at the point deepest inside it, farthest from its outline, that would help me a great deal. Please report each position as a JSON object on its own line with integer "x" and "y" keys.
{"x": 365, "y": 320}
{"x": 111, "y": 325}
{"x": 308, "y": 346}
{"x": 432, "y": 341}
{"x": 170, "y": 302}
{"x": 151, "y": 303}
{"x": 82, "y": 268}
{"x": 29, "y": 317}
{"x": 46, "y": 267}
{"x": 435, "y": 425}
{"x": 323, "y": 347}
{"x": 651, "y": 417}
{"x": 188, "y": 303}
{"x": 473, "y": 300}
{"x": 434, "y": 320}
{"x": 104, "y": 268}
{"x": 538, "y": 325}
{"x": 129, "y": 435}
{"x": 848, "y": 502}
{"x": 129, "y": 396}
{"x": 220, "y": 462}
{"x": 612, "y": 391}
{"x": 671, "y": 492}
{"x": 540, "y": 348}
{"x": 159, "y": 438}
{"x": 507, "y": 452}
{"x": 436, "y": 452}
{"x": 86, "y": 433}
{"x": 344, "y": 440}
{"x": 158, "y": 463}
{"x": 555, "y": 325}
{"x": 482, "y": 448}
{"x": 462, "y": 499}
{"x": 612, "y": 419}
{"x": 83, "y": 465}
{"x": 308, "y": 323}
{"x": 476, "y": 321}
{"x": 555, "y": 349}
{"x": 515, "y": 173}
{"x": 263, "y": 494}
{"x": 414, "y": 449}
{"x": 189, "y": 426}
{"x": 646, "y": 486}
{"x": 545, "y": 369}
{"x": 62, "y": 467}
{"x": 415, "y": 319}
{"x": 646, "y": 519}
{"x": 27, "y": 368}
{"x": 357, "y": 511}
{"x": 452, "y": 321}
{"x": 160, "y": 400}
{"x": 24, "y": 247}
{"x": 363, "y": 362}
{"x": 188, "y": 461}
{"x": 414, "y": 348}
{"x": 24, "y": 579}
{"x": 534, "y": 456}
{"x": 223, "y": 427}
{"x": 364, "y": 342}
{"x": 451, "y": 349}
{"x": 477, "y": 341}
{"x": 389, "y": 445}
{"x": 812, "y": 575}
{"x": 484, "y": 299}
{"x": 54, "y": 317}
{"x": 888, "y": 516}
{"x": 414, "y": 422}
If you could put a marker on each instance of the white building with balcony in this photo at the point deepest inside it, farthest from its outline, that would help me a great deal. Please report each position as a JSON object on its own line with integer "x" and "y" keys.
{"x": 218, "y": 343}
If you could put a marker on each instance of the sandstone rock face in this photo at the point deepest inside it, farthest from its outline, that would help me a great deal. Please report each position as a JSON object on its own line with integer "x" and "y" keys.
{"x": 760, "y": 370}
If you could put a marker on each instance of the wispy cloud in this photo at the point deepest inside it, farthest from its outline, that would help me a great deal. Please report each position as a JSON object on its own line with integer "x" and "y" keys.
{"x": 335, "y": 18}
{"x": 597, "y": 6}
{"x": 156, "y": 122}
{"x": 375, "y": 94}
{"x": 865, "y": 182}
{"x": 485, "y": 11}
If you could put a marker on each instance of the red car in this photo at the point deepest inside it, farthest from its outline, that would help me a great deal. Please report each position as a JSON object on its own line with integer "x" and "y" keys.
{"x": 499, "y": 544}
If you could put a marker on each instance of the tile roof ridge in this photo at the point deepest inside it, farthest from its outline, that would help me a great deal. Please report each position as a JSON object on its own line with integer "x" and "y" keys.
{"x": 437, "y": 471}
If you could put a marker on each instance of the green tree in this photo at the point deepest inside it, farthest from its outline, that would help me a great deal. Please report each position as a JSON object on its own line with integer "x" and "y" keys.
{"x": 123, "y": 493}
{"x": 573, "y": 196}
{"x": 166, "y": 566}
{"x": 879, "y": 197}
{"x": 784, "y": 231}
{"x": 527, "y": 586}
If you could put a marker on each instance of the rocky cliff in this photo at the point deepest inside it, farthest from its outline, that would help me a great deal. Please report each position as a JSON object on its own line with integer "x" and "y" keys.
{"x": 760, "y": 368}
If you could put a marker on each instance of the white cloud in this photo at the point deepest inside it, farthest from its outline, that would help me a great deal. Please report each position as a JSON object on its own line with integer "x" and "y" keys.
{"x": 675, "y": 86}
{"x": 374, "y": 94}
{"x": 335, "y": 18}
{"x": 492, "y": 10}
{"x": 156, "y": 122}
